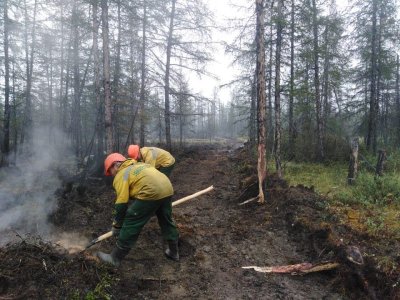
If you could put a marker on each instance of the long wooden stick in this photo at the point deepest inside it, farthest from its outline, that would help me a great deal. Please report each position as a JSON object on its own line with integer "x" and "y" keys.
{"x": 177, "y": 202}
{"x": 184, "y": 199}
{"x": 302, "y": 268}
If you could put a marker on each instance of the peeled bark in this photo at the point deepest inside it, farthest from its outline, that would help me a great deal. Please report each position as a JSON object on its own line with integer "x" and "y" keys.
{"x": 261, "y": 97}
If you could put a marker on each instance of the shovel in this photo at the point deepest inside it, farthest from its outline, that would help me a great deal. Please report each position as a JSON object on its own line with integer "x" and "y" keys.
{"x": 184, "y": 199}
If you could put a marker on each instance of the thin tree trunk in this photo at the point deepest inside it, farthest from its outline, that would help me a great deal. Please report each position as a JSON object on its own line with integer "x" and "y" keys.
{"x": 398, "y": 98}
{"x": 14, "y": 114}
{"x": 353, "y": 165}
{"x": 27, "y": 121}
{"x": 320, "y": 142}
{"x": 108, "y": 124}
{"x": 117, "y": 76}
{"x": 372, "y": 120}
{"x": 167, "y": 78}
{"x": 261, "y": 97}
{"x": 143, "y": 79}
{"x": 326, "y": 91}
{"x": 291, "y": 92}
{"x": 270, "y": 132}
{"x": 60, "y": 92}
{"x": 380, "y": 121}
{"x": 7, "y": 112}
{"x": 76, "y": 116}
{"x": 252, "y": 121}
{"x": 50, "y": 91}
{"x": 279, "y": 28}
{"x": 380, "y": 163}
{"x": 96, "y": 88}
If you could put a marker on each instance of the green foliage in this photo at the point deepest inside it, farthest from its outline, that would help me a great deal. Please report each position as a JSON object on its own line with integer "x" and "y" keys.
{"x": 331, "y": 180}
{"x": 101, "y": 290}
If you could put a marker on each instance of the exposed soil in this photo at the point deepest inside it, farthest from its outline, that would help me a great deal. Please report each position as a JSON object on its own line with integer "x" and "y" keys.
{"x": 217, "y": 238}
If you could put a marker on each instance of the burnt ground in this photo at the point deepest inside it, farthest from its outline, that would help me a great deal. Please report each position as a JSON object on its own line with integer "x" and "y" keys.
{"x": 217, "y": 238}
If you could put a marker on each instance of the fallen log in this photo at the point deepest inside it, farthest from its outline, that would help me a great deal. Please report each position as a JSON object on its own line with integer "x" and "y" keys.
{"x": 296, "y": 269}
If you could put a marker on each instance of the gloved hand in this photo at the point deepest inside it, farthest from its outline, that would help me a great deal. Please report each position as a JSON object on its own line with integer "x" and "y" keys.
{"x": 115, "y": 230}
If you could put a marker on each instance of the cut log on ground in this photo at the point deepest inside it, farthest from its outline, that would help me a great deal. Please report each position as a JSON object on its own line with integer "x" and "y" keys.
{"x": 297, "y": 269}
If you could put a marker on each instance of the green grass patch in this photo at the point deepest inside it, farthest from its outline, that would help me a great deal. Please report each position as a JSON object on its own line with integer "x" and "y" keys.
{"x": 331, "y": 181}
{"x": 375, "y": 199}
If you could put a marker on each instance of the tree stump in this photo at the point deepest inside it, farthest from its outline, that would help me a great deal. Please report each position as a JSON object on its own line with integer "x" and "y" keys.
{"x": 381, "y": 161}
{"x": 353, "y": 165}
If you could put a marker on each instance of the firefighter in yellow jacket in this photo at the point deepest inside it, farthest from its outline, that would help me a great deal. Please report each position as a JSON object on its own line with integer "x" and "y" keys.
{"x": 151, "y": 191}
{"x": 159, "y": 158}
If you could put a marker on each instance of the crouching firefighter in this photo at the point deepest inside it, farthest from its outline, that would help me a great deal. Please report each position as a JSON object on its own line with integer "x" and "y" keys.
{"x": 151, "y": 191}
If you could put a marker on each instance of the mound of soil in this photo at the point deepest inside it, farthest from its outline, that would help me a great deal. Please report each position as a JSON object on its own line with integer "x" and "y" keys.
{"x": 217, "y": 238}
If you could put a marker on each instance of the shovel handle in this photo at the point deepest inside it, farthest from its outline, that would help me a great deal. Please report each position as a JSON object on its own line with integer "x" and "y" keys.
{"x": 100, "y": 238}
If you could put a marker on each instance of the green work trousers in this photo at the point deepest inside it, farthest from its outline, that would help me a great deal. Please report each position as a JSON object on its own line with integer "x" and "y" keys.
{"x": 167, "y": 170}
{"x": 139, "y": 213}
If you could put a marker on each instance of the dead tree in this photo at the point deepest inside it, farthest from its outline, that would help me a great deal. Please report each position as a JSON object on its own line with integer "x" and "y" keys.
{"x": 353, "y": 165}
{"x": 107, "y": 87}
{"x": 380, "y": 163}
{"x": 261, "y": 97}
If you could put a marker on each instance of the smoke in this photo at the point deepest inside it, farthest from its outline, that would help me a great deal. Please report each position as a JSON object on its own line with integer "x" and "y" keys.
{"x": 27, "y": 190}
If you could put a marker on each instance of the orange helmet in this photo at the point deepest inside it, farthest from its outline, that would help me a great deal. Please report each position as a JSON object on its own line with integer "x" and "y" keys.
{"x": 110, "y": 160}
{"x": 133, "y": 151}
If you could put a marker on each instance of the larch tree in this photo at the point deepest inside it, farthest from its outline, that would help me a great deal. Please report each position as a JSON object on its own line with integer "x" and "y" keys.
{"x": 261, "y": 97}
{"x": 278, "y": 131}
{"x": 108, "y": 124}
{"x": 7, "y": 111}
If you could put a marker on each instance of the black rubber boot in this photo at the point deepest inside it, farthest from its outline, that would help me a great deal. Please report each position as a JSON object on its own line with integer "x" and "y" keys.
{"x": 114, "y": 258}
{"x": 172, "y": 252}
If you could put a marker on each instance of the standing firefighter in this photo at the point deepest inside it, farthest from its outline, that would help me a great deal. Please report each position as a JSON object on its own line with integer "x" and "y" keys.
{"x": 152, "y": 192}
{"x": 159, "y": 158}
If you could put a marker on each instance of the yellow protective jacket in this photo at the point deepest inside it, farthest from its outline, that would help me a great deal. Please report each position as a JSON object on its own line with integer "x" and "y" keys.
{"x": 156, "y": 157}
{"x": 138, "y": 180}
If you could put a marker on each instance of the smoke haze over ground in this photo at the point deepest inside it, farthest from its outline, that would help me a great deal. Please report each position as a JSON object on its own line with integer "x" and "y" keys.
{"x": 27, "y": 189}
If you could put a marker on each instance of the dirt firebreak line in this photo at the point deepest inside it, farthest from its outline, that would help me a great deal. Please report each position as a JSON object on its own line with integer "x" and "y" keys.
{"x": 177, "y": 202}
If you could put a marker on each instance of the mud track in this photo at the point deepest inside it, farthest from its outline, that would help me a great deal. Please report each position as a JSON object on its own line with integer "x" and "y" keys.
{"x": 217, "y": 238}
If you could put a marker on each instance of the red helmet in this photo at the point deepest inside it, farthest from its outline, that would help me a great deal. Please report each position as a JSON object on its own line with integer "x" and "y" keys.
{"x": 110, "y": 160}
{"x": 133, "y": 151}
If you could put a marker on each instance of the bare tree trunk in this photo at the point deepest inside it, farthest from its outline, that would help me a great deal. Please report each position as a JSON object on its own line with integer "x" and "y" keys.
{"x": 320, "y": 142}
{"x": 326, "y": 92}
{"x": 372, "y": 120}
{"x": 7, "y": 112}
{"x": 398, "y": 98}
{"x": 167, "y": 77}
{"x": 96, "y": 88}
{"x": 50, "y": 91}
{"x": 143, "y": 79}
{"x": 117, "y": 76}
{"x": 261, "y": 97}
{"x": 291, "y": 92}
{"x": 279, "y": 28}
{"x": 379, "y": 121}
{"x": 108, "y": 124}
{"x": 27, "y": 121}
{"x": 252, "y": 121}
{"x": 380, "y": 163}
{"x": 270, "y": 132}
{"x": 353, "y": 165}
{"x": 76, "y": 116}
{"x": 14, "y": 115}
{"x": 60, "y": 92}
